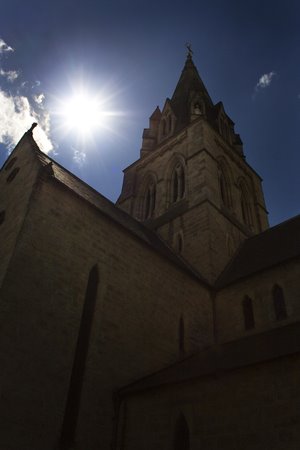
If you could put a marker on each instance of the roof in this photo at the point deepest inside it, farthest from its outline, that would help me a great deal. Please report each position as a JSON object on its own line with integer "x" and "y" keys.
{"x": 106, "y": 207}
{"x": 267, "y": 249}
{"x": 219, "y": 358}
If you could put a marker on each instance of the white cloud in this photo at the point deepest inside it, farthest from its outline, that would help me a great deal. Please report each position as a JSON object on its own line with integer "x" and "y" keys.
{"x": 39, "y": 98}
{"x": 10, "y": 75}
{"x": 265, "y": 80}
{"x": 17, "y": 116}
{"x": 79, "y": 157}
{"x": 4, "y": 47}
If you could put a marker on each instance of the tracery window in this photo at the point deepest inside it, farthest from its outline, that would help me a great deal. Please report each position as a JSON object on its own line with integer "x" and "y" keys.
{"x": 248, "y": 313}
{"x": 177, "y": 183}
{"x": 279, "y": 303}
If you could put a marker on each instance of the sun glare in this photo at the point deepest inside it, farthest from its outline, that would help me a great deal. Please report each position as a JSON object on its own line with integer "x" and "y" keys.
{"x": 86, "y": 112}
{"x": 83, "y": 113}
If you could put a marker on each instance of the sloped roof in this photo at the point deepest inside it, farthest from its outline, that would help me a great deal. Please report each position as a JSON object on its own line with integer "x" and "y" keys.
{"x": 105, "y": 206}
{"x": 219, "y": 358}
{"x": 267, "y": 249}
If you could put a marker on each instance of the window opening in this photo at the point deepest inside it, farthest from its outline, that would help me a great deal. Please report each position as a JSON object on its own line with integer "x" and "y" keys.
{"x": 279, "y": 303}
{"x": 248, "y": 313}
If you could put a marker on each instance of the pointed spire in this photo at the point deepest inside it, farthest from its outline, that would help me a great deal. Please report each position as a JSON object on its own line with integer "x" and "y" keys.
{"x": 189, "y": 87}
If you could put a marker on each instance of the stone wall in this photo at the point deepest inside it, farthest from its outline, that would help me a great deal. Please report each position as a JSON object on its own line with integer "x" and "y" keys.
{"x": 255, "y": 407}
{"x": 141, "y": 297}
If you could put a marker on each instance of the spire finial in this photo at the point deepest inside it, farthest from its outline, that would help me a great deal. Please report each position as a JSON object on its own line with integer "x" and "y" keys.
{"x": 189, "y": 49}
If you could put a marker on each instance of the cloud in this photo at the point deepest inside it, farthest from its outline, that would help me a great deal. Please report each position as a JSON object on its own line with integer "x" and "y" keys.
{"x": 17, "y": 113}
{"x": 4, "y": 47}
{"x": 39, "y": 98}
{"x": 10, "y": 75}
{"x": 265, "y": 80}
{"x": 17, "y": 116}
{"x": 79, "y": 157}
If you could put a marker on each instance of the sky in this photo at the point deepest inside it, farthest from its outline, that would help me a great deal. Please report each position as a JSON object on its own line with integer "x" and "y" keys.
{"x": 116, "y": 60}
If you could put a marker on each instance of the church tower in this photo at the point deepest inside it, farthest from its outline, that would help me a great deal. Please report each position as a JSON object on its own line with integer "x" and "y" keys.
{"x": 192, "y": 184}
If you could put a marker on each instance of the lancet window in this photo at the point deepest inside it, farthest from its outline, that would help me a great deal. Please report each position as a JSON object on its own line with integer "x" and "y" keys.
{"x": 177, "y": 183}
{"x": 149, "y": 200}
{"x": 279, "y": 303}
{"x": 182, "y": 434}
{"x": 248, "y": 313}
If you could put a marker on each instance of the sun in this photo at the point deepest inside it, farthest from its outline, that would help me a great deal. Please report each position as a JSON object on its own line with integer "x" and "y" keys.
{"x": 83, "y": 113}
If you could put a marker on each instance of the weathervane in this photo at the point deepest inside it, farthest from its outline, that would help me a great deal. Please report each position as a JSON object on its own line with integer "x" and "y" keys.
{"x": 189, "y": 48}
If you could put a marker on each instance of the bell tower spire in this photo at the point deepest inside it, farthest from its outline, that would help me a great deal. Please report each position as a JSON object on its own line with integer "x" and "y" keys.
{"x": 205, "y": 199}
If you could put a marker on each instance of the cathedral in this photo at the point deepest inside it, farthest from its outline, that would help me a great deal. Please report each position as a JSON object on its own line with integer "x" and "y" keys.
{"x": 169, "y": 320}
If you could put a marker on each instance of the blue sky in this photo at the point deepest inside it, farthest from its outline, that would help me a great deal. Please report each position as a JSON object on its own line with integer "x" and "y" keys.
{"x": 130, "y": 54}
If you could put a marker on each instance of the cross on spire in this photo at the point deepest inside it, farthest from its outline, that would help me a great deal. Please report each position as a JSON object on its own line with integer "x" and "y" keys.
{"x": 189, "y": 49}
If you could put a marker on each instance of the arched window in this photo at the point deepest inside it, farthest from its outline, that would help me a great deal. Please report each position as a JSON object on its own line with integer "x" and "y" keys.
{"x": 181, "y": 434}
{"x": 181, "y": 335}
{"x": 248, "y": 313}
{"x": 245, "y": 206}
{"x": 179, "y": 243}
{"x": 10, "y": 163}
{"x": 224, "y": 188}
{"x": 12, "y": 174}
{"x": 279, "y": 303}
{"x": 177, "y": 183}
{"x": 80, "y": 356}
{"x": 149, "y": 200}
{"x": 2, "y": 216}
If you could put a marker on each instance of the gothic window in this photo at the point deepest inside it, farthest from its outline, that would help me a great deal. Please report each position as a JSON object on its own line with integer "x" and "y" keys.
{"x": 279, "y": 303}
{"x": 179, "y": 243}
{"x": 224, "y": 188}
{"x": 181, "y": 335}
{"x": 80, "y": 356}
{"x": 245, "y": 206}
{"x": 178, "y": 184}
{"x": 150, "y": 198}
{"x": 12, "y": 175}
{"x": 182, "y": 434}
{"x": 2, "y": 217}
{"x": 248, "y": 313}
{"x": 10, "y": 163}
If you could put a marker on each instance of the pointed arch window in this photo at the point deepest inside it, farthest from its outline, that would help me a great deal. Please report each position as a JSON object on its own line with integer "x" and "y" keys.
{"x": 149, "y": 200}
{"x": 248, "y": 313}
{"x": 245, "y": 206}
{"x": 181, "y": 434}
{"x": 177, "y": 184}
{"x": 10, "y": 163}
{"x": 224, "y": 188}
{"x": 2, "y": 216}
{"x": 181, "y": 335}
{"x": 179, "y": 243}
{"x": 279, "y": 303}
